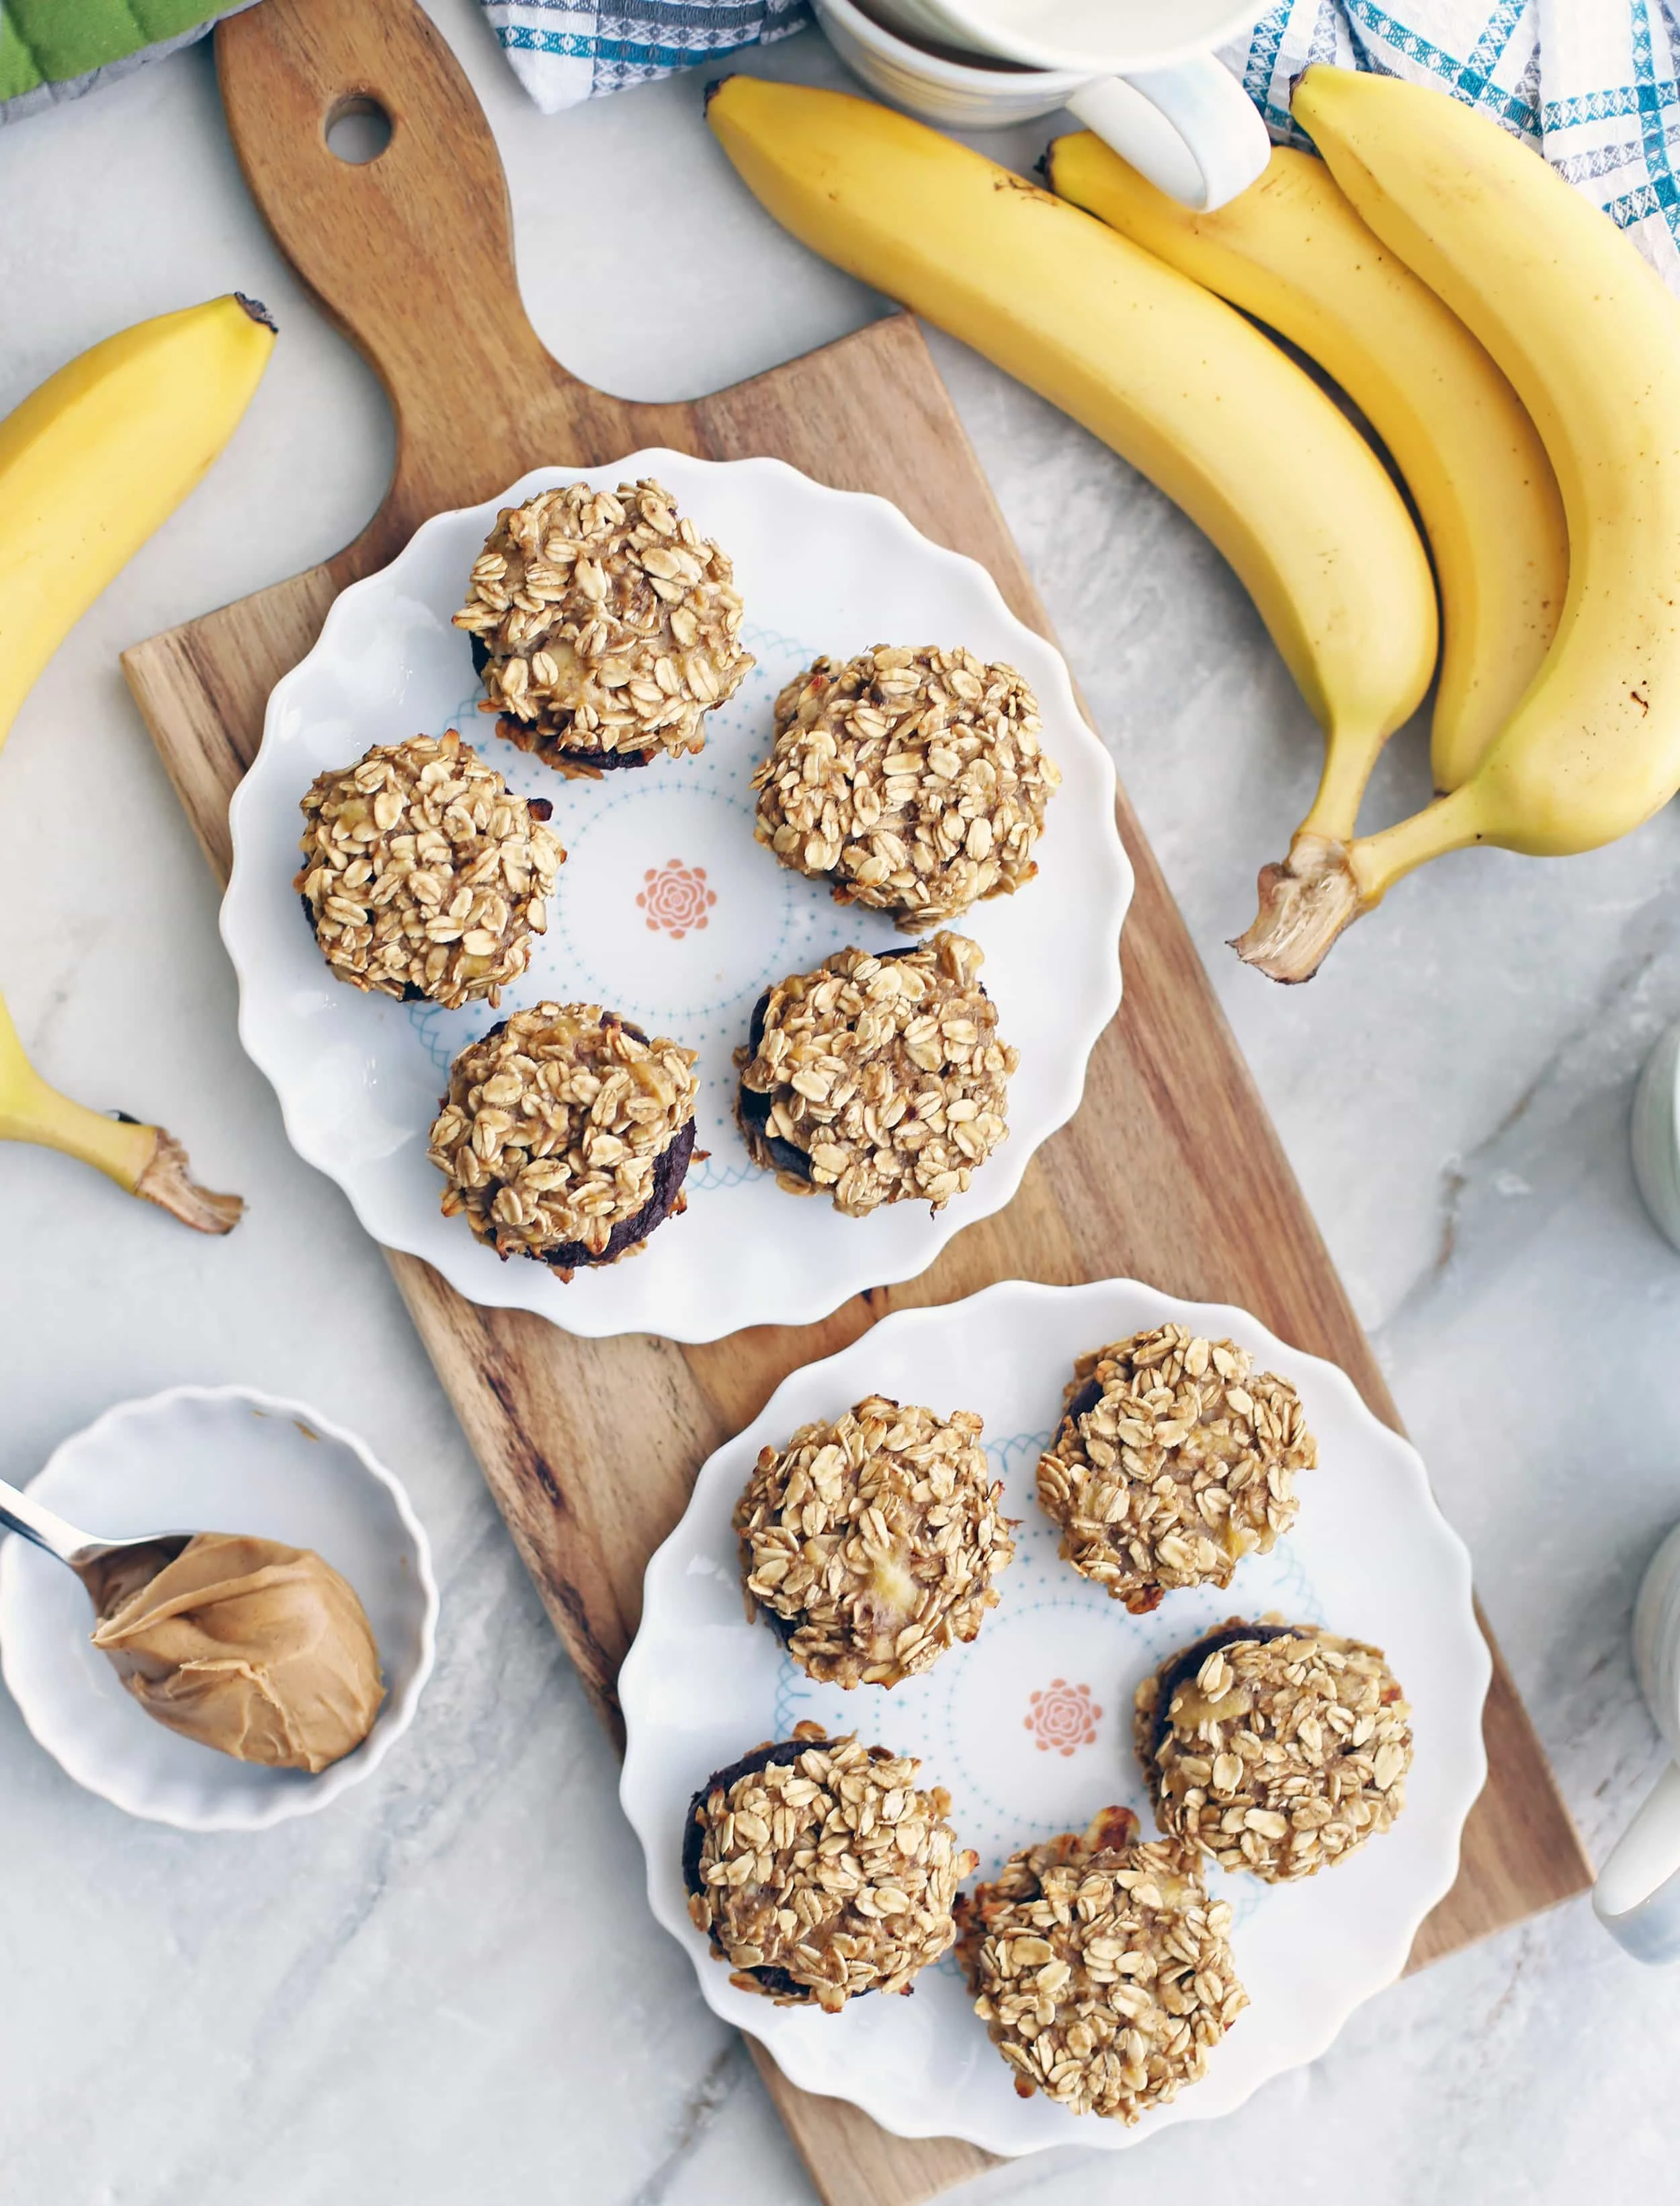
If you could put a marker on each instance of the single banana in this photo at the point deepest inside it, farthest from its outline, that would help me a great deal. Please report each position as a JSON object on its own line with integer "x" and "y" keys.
{"x": 1292, "y": 252}
{"x": 1173, "y": 380}
{"x": 1591, "y": 340}
{"x": 93, "y": 461}
{"x": 143, "y": 1160}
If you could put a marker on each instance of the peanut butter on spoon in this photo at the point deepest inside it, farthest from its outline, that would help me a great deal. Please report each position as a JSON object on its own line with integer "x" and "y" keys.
{"x": 261, "y": 1651}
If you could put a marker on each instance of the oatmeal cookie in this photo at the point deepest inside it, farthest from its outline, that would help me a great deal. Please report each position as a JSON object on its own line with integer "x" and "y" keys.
{"x": 423, "y": 876}
{"x": 1174, "y": 1458}
{"x": 819, "y": 1872}
{"x": 878, "y": 1079}
{"x": 871, "y": 1544}
{"x": 565, "y": 1135}
{"x": 1275, "y": 1748}
{"x": 603, "y": 627}
{"x": 1101, "y": 1968}
{"x": 913, "y": 780}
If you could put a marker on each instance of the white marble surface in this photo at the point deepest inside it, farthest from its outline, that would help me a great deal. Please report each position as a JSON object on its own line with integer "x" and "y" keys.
{"x": 447, "y": 1989}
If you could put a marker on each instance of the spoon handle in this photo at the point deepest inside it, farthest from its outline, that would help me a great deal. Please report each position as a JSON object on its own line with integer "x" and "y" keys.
{"x": 19, "y": 1513}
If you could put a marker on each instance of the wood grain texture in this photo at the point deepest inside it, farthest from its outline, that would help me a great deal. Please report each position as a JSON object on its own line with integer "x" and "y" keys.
{"x": 411, "y": 256}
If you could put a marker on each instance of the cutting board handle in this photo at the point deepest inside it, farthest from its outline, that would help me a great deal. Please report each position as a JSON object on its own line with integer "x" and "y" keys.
{"x": 410, "y": 253}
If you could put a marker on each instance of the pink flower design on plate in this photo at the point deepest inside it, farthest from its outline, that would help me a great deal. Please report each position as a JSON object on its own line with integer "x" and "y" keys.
{"x": 677, "y": 898}
{"x": 1063, "y": 1716}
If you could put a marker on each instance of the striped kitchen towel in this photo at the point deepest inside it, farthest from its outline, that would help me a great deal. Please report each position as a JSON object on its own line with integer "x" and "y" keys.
{"x": 1590, "y": 83}
{"x": 565, "y": 50}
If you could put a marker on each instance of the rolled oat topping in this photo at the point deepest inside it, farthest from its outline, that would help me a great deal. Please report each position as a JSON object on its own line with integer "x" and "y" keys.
{"x": 1275, "y": 1748}
{"x": 1175, "y": 1459}
{"x": 819, "y": 1872}
{"x": 1101, "y": 1968}
{"x": 424, "y": 875}
{"x": 876, "y": 1079}
{"x": 913, "y": 778}
{"x": 874, "y": 1541}
{"x": 611, "y": 626}
{"x": 554, "y": 1128}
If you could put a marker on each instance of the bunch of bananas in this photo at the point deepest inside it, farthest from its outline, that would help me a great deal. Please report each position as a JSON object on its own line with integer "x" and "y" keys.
{"x": 90, "y": 464}
{"x": 1518, "y": 359}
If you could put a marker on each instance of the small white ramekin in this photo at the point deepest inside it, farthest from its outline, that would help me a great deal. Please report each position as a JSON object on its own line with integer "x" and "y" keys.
{"x": 212, "y": 1459}
{"x": 963, "y": 95}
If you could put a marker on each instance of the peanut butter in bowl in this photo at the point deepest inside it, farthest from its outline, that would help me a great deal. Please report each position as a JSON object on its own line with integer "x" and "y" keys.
{"x": 259, "y": 1650}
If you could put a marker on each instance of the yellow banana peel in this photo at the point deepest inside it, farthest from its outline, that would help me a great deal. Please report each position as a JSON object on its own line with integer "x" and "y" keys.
{"x": 1175, "y": 381}
{"x": 1292, "y": 251}
{"x": 1590, "y": 340}
{"x": 91, "y": 463}
{"x": 143, "y": 1160}
{"x": 100, "y": 455}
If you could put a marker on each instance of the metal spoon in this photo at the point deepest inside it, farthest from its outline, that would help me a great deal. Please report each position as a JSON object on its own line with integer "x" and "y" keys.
{"x": 111, "y": 1569}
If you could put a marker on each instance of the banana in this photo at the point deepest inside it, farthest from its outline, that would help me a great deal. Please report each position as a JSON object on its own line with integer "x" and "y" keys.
{"x": 143, "y": 1160}
{"x": 1292, "y": 252}
{"x": 1173, "y": 380}
{"x": 1591, "y": 340}
{"x": 93, "y": 461}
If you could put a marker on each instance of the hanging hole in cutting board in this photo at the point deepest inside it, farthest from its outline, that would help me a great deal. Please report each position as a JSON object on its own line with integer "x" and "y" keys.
{"x": 358, "y": 130}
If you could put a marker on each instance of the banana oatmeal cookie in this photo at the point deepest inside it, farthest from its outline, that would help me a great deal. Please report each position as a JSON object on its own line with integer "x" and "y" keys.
{"x": 877, "y": 1079}
{"x": 1275, "y": 1748}
{"x": 1101, "y": 1968}
{"x": 911, "y": 779}
{"x": 1174, "y": 1460}
{"x": 424, "y": 875}
{"x": 871, "y": 1544}
{"x": 603, "y": 626}
{"x": 819, "y": 1872}
{"x": 565, "y": 1135}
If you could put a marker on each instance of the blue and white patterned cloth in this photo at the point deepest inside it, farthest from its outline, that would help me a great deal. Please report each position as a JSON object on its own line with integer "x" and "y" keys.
{"x": 565, "y": 50}
{"x": 1590, "y": 83}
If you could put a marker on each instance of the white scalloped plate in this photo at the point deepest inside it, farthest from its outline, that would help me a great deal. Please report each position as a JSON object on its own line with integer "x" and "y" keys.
{"x": 666, "y": 909}
{"x": 1029, "y": 1728}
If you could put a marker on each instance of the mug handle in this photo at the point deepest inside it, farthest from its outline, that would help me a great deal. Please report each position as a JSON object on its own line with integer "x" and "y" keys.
{"x": 1637, "y": 1896}
{"x": 1191, "y": 129}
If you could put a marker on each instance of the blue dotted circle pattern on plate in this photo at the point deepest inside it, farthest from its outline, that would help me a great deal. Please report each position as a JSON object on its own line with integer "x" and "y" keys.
{"x": 1028, "y": 1727}
{"x": 666, "y": 909}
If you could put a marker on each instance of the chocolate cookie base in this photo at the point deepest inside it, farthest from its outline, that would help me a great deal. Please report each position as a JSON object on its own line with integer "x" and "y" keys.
{"x": 545, "y": 739}
{"x": 754, "y": 1109}
{"x": 410, "y": 994}
{"x": 776, "y": 1982}
{"x": 1082, "y": 1404}
{"x": 670, "y": 1168}
{"x": 1177, "y": 1668}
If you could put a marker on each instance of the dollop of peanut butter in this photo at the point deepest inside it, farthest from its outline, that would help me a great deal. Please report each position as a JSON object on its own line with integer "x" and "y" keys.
{"x": 261, "y": 1651}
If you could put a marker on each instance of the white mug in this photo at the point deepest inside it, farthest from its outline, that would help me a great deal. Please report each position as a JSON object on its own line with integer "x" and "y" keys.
{"x": 1637, "y": 1896}
{"x": 1136, "y": 71}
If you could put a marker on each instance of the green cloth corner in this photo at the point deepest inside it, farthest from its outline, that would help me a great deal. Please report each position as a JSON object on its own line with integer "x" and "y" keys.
{"x": 53, "y": 42}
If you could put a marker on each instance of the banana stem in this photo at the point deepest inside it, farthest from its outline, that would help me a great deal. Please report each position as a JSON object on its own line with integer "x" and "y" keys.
{"x": 143, "y": 1160}
{"x": 1452, "y": 822}
{"x": 1348, "y": 759}
{"x": 1327, "y": 882}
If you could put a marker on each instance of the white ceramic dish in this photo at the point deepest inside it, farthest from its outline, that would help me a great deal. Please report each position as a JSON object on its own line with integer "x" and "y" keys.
{"x": 1099, "y": 36}
{"x": 1029, "y": 1727}
{"x": 1655, "y": 1134}
{"x": 964, "y": 93}
{"x": 666, "y": 909}
{"x": 212, "y": 1459}
{"x": 1190, "y": 128}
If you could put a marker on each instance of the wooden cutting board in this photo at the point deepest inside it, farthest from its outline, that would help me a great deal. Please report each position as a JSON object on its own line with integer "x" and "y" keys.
{"x": 1170, "y": 1171}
